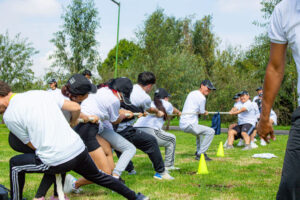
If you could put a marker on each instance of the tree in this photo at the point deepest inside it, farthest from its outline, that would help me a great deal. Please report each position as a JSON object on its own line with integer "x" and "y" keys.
{"x": 204, "y": 41}
{"x": 126, "y": 52}
{"x": 15, "y": 61}
{"x": 76, "y": 46}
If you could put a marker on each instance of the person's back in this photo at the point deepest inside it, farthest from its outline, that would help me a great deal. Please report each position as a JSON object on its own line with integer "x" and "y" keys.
{"x": 35, "y": 113}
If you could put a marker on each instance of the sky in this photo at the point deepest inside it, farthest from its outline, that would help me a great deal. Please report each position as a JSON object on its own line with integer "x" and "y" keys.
{"x": 38, "y": 20}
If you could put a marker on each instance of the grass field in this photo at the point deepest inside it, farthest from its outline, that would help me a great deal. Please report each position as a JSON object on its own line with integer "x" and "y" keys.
{"x": 236, "y": 176}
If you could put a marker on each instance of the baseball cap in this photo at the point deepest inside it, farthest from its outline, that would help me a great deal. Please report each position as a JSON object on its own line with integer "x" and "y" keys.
{"x": 243, "y": 93}
{"x": 208, "y": 84}
{"x": 123, "y": 85}
{"x": 52, "y": 81}
{"x": 236, "y": 96}
{"x": 259, "y": 88}
{"x": 161, "y": 93}
{"x": 80, "y": 85}
{"x": 87, "y": 72}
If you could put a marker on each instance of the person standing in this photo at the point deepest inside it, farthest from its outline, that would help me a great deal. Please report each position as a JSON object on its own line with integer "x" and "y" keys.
{"x": 195, "y": 103}
{"x": 284, "y": 29}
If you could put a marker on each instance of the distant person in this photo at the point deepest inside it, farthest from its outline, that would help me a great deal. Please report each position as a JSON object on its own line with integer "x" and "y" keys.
{"x": 53, "y": 86}
{"x": 259, "y": 91}
{"x": 88, "y": 74}
{"x": 195, "y": 103}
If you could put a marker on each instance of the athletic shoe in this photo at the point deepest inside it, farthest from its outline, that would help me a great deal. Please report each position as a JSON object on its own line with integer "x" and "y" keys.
{"x": 247, "y": 147}
{"x": 41, "y": 198}
{"x": 253, "y": 145}
{"x": 69, "y": 185}
{"x": 132, "y": 172}
{"x": 229, "y": 146}
{"x": 140, "y": 196}
{"x": 172, "y": 168}
{"x": 263, "y": 142}
{"x": 205, "y": 156}
{"x": 241, "y": 143}
{"x": 56, "y": 198}
{"x": 165, "y": 175}
{"x": 225, "y": 144}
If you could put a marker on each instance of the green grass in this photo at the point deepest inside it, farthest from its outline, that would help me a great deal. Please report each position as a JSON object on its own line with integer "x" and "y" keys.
{"x": 236, "y": 176}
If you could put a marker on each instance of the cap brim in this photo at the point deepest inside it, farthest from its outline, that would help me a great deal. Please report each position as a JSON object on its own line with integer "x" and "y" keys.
{"x": 93, "y": 88}
{"x": 211, "y": 88}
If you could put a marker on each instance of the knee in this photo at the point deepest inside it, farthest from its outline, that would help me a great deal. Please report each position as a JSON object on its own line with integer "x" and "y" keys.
{"x": 211, "y": 131}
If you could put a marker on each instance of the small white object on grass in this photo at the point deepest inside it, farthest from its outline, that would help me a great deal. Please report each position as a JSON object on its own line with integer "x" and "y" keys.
{"x": 264, "y": 155}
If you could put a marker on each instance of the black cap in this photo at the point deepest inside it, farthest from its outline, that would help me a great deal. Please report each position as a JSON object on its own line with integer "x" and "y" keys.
{"x": 123, "y": 85}
{"x": 236, "y": 96}
{"x": 52, "y": 81}
{"x": 244, "y": 93}
{"x": 80, "y": 85}
{"x": 161, "y": 93}
{"x": 208, "y": 84}
{"x": 87, "y": 72}
{"x": 259, "y": 88}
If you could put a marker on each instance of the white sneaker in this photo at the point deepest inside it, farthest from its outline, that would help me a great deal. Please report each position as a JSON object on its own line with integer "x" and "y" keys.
{"x": 253, "y": 145}
{"x": 69, "y": 185}
{"x": 172, "y": 168}
{"x": 241, "y": 143}
{"x": 263, "y": 142}
{"x": 225, "y": 144}
{"x": 165, "y": 175}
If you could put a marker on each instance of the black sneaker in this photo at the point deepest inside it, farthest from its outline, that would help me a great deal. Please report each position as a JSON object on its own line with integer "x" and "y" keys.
{"x": 197, "y": 157}
{"x": 140, "y": 196}
{"x": 207, "y": 158}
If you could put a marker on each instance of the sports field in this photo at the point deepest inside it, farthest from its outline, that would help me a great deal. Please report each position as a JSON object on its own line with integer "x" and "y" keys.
{"x": 236, "y": 176}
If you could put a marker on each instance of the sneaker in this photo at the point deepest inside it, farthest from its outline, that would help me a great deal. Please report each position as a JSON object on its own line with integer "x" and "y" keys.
{"x": 263, "y": 142}
{"x": 253, "y": 145}
{"x": 225, "y": 144}
{"x": 140, "y": 196}
{"x": 247, "y": 147}
{"x": 132, "y": 172}
{"x": 69, "y": 185}
{"x": 241, "y": 143}
{"x": 172, "y": 168}
{"x": 163, "y": 175}
{"x": 41, "y": 198}
{"x": 229, "y": 147}
{"x": 207, "y": 158}
{"x": 56, "y": 198}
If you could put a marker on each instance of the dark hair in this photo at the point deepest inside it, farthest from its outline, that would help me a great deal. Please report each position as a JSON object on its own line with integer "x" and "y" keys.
{"x": 159, "y": 106}
{"x": 55, "y": 84}
{"x": 87, "y": 72}
{"x": 66, "y": 92}
{"x": 4, "y": 89}
{"x": 105, "y": 84}
{"x": 146, "y": 78}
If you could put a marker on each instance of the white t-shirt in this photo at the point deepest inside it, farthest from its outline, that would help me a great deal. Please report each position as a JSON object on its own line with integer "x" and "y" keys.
{"x": 285, "y": 28}
{"x": 103, "y": 104}
{"x": 248, "y": 116}
{"x": 152, "y": 121}
{"x": 36, "y": 117}
{"x": 254, "y": 99}
{"x": 138, "y": 98}
{"x": 194, "y": 103}
{"x": 59, "y": 95}
{"x": 257, "y": 113}
{"x": 273, "y": 116}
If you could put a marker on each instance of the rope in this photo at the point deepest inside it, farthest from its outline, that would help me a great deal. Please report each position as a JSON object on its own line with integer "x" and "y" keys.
{"x": 60, "y": 191}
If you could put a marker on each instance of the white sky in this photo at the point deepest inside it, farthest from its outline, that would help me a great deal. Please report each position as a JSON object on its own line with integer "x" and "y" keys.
{"x": 37, "y": 20}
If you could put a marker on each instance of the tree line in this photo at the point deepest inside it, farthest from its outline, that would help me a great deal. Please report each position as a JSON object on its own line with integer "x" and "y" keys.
{"x": 180, "y": 52}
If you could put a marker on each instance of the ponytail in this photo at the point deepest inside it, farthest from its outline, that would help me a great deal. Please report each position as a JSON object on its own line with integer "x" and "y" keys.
{"x": 159, "y": 106}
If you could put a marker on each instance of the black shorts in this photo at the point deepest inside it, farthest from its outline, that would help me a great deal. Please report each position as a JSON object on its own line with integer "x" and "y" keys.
{"x": 88, "y": 132}
{"x": 248, "y": 128}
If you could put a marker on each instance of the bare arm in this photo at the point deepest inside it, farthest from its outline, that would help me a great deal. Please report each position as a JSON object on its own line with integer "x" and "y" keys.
{"x": 236, "y": 112}
{"x": 156, "y": 111}
{"x": 272, "y": 82}
{"x": 74, "y": 108}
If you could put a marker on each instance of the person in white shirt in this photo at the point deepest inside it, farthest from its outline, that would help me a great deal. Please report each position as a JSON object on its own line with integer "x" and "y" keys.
{"x": 88, "y": 74}
{"x": 259, "y": 91}
{"x": 35, "y": 117}
{"x": 153, "y": 125}
{"x": 53, "y": 86}
{"x": 246, "y": 122}
{"x": 105, "y": 104}
{"x": 284, "y": 31}
{"x": 140, "y": 100}
{"x": 195, "y": 103}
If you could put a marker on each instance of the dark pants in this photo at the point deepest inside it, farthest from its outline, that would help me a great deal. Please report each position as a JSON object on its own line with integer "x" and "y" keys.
{"x": 88, "y": 132}
{"x": 81, "y": 164}
{"x": 47, "y": 180}
{"x": 289, "y": 188}
{"x": 146, "y": 143}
